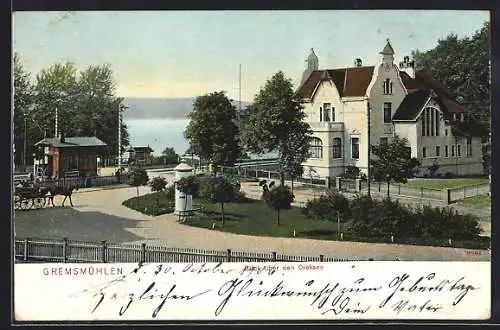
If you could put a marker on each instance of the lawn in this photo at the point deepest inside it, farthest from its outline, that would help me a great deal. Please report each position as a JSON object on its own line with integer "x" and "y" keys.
{"x": 478, "y": 201}
{"x": 254, "y": 217}
{"x": 445, "y": 183}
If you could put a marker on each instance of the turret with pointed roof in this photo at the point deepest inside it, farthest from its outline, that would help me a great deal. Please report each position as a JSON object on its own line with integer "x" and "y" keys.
{"x": 311, "y": 65}
{"x": 387, "y": 54}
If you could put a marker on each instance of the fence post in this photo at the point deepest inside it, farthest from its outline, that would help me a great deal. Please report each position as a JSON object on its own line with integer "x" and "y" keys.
{"x": 25, "y": 252}
{"x": 477, "y": 189}
{"x": 327, "y": 182}
{"x": 464, "y": 192}
{"x": 103, "y": 256}
{"x": 143, "y": 253}
{"x": 269, "y": 175}
{"x": 228, "y": 255}
{"x": 357, "y": 182}
{"x": 338, "y": 183}
{"x": 321, "y": 257}
{"x": 446, "y": 195}
{"x": 65, "y": 250}
{"x": 422, "y": 192}
{"x": 399, "y": 189}
{"x": 274, "y": 256}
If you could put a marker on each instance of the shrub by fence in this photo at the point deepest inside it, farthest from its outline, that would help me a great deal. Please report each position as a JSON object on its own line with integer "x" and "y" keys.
{"x": 50, "y": 250}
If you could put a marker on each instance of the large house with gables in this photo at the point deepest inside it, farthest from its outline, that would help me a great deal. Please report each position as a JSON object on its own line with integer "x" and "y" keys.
{"x": 400, "y": 100}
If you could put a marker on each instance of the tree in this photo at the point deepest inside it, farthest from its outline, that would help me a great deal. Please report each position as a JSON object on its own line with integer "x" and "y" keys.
{"x": 23, "y": 99}
{"x": 212, "y": 131}
{"x": 218, "y": 190}
{"x": 392, "y": 161}
{"x": 157, "y": 185}
{"x": 86, "y": 104}
{"x": 170, "y": 156}
{"x": 138, "y": 177}
{"x": 463, "y": 66}
{"x": 274, "y": 123}
{"x": 279, "y": 198}
{"x": 188, "y": 186}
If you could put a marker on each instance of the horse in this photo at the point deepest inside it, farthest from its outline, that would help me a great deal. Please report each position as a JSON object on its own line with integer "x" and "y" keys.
{"x": 65, "y": 191}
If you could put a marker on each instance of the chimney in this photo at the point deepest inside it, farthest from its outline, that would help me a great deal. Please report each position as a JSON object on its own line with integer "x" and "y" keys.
{"x": 358, "y": 63}
{"x": 407, "y": 66}
{"x": 61, "y": 137}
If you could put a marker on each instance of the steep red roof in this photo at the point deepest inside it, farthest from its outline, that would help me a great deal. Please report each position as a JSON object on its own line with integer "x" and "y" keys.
{"x": 349, "y": 81}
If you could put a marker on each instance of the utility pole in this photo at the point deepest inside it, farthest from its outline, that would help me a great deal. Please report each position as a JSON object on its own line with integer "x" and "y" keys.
{"x": 119, "y": 136}
{"x": 369, "y": 148}
{"x": 239, "y": 81}
{"x": 24, "y": 143}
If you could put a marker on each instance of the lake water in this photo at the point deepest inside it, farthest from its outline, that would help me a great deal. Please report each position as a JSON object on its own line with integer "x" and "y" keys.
{"x": 162, "y": 133}
{"x": 158, "y": 133}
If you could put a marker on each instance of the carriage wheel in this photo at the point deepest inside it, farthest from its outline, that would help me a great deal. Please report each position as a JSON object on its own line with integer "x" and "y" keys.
{"x": 38, "y": 203}
{"x": 26, "y": 203}
{"x": 17, "y": 202}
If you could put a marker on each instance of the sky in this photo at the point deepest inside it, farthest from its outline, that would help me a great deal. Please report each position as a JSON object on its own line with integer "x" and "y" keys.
{"x": 186, "y": 53}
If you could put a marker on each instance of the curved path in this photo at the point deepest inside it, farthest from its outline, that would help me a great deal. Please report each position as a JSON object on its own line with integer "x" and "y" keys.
{"x": 99, "y": 215}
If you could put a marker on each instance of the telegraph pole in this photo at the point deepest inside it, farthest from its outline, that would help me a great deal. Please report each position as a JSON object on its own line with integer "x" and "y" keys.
{"x": 119, "y": 136}
{"x": 24, "y": 144}
{"x": 369, "y": 148}
{"x": 239, "y": 81}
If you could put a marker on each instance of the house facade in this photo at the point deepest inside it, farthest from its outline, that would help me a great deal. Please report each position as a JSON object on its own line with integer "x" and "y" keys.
{"x": 339, "y": 104}
{"x": 139, "y": 155}
{"x": 59, "y": 157}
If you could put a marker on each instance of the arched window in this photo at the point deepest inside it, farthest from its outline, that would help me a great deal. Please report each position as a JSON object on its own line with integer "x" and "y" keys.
{"x": 315, "y": 148}
{"x": 387, "y": 86}
{"x": 431, "y": 120}
{"x": 337, "y": 148}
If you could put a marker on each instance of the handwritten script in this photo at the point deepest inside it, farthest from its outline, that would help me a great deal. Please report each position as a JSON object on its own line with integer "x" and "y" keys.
{"x": 361, "y": 290}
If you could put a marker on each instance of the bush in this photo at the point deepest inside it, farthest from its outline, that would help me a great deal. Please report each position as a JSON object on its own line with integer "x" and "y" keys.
{"x": 448, "y": 175}
{"x": 352, "y": 172}
{"x": 327, "y": 207}
{"x": 377, "y": 220}
{"x": 157, "y": 184}
{"x": 170, "y": 192}
{"x": 279, "y": 198}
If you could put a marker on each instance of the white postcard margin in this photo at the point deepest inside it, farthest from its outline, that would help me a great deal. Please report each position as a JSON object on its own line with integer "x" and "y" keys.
{"x": 253, "y": 291}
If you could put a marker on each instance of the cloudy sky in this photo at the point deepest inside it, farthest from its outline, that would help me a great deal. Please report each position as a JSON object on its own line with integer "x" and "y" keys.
{"x": 183, "y": 54}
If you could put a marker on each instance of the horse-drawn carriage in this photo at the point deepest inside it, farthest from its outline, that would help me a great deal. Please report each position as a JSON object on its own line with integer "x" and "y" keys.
{"x": 30, "y": 197}
{"x": 34, "y": 196}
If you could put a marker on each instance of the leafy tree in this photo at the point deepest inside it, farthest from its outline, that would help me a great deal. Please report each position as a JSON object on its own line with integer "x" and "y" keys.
{"x": 212, "y": 131}
{"x": 332, "y": 207}
{"x": 188, "y": 186}
{"x": 170, "y": 156}
{"x": 274, "y": 123}
{"x": 138, "y": 177}
{"x": 218, "y": 190}
{"x": 23, "y": 100}
{"x": 86, "y": 104}
{"x": 279, "y": 198}
{"x": 463, "y": 66}
{"x": 157, "y": 185}
{"x": 392, "y": 161}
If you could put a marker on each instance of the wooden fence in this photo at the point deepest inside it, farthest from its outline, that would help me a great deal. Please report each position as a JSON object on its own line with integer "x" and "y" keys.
{"x": 50, "y": 250}
{"x": 445, "y": 195}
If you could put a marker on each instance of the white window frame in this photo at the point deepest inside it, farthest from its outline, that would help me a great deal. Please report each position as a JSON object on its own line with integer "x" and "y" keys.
{"x": 351, "y": 145}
